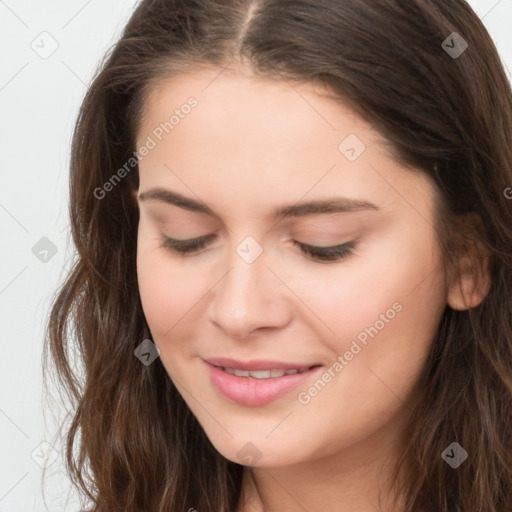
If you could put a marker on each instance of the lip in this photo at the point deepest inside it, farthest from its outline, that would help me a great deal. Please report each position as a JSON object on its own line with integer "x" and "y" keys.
{"x": 255, "y": 392}
{"x": 257, "y": 364}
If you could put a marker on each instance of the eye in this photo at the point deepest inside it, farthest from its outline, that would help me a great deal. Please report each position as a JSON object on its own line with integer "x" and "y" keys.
{"x": 325, "y": 254}
{"x": 186, "y": 246}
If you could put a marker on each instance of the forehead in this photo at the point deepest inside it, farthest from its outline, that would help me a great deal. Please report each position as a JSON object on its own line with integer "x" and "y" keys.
{"x": 265, "y": 139}
{"x": 228, "y": 98}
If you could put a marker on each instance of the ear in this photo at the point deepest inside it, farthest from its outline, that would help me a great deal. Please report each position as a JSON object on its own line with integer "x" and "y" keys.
{"x": 469, "y": 279}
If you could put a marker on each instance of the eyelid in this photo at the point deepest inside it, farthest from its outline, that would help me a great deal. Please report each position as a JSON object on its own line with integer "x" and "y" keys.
{"x": 184, "y": 247}
{"x": 329, "y": 254}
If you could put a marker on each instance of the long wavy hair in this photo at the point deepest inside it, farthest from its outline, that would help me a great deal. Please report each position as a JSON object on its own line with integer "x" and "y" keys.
{"x": 133, "y": 444}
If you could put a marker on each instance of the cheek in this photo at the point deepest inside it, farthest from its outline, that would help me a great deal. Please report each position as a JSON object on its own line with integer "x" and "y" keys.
{"x": 385, "y": 313}
{"x": 170, "y": 293}
{"x": 381, "y": 310}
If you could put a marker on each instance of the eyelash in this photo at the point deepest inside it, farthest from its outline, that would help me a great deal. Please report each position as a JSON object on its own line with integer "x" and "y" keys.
{"x": 327, "y": 254}
{"x": 322, "y": 254}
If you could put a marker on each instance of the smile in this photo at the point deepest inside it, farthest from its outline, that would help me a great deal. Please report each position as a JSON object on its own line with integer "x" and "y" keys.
{"x": 264, "y": 374}
{"x": 258, "y": 387}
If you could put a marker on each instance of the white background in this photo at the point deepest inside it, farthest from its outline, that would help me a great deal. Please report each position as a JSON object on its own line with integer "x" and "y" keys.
{"x": 39, "y": 101}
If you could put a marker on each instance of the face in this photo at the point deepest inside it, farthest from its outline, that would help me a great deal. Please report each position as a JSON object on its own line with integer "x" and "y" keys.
{"x": 276, "y": 231}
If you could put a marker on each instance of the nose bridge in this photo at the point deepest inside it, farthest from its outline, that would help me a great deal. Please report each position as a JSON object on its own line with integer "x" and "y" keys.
{"x": 248, "y": 297}
{"x": 241, "y": 282}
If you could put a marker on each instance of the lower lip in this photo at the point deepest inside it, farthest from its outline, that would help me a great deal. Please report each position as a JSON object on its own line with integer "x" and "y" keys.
{"x": 254, "y": 392}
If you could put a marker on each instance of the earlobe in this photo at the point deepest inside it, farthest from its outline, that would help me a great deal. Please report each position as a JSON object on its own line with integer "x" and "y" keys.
{"x": 468, "y": 291}
{"x": 471, "y": 281}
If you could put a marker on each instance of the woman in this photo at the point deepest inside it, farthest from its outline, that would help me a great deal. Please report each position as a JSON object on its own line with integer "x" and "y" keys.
{"x": 294, "y": 274}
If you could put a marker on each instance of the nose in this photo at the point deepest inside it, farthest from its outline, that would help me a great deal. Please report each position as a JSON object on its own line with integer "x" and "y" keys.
{"x": 249, "y": 297}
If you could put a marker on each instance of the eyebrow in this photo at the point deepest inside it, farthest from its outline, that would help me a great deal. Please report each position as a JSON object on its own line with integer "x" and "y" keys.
{"x": 318, "y": 207}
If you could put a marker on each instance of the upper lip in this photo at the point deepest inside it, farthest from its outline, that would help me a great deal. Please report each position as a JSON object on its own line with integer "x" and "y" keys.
{"x": 256, "y": 364}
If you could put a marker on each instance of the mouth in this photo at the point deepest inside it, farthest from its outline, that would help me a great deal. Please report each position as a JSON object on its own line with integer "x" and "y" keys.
{"x": 258, "y": 387}
{"x": 264, "y": 374}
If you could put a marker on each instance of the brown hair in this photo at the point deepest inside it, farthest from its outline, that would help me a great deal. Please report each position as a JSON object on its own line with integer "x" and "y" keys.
{"x": 450, "y": 117}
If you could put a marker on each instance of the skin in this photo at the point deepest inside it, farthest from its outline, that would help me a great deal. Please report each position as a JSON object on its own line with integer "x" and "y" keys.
{"x": 250, "y": 146}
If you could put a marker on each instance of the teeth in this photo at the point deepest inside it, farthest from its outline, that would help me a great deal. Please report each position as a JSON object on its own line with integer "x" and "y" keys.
{"x": 241, "y": 373}
{"x": 279, "y": 373}
{"x": 264, "y": 374}
{"x": 259, "y": 374}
